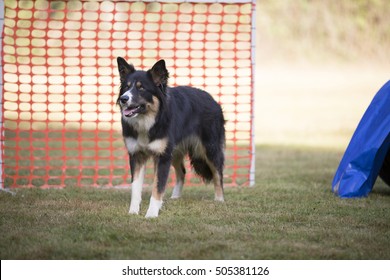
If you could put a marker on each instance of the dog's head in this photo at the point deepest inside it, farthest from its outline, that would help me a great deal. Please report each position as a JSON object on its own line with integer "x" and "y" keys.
{"x": 141, "y": 92}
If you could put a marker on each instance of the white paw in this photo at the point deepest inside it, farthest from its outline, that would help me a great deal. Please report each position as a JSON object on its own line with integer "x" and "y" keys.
{"x": 134, "y": 211}
{"x": 134, "y": 208}
{"x": 151, "y": 214}
{"x": 175, "y": 196}
{"x": 154, "y": 208}
{"x": 219, "y": 199}
{"x": 176, "y": 193}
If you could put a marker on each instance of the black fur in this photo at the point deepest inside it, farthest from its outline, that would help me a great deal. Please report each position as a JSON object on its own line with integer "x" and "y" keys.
{"x": 189, "y": 119}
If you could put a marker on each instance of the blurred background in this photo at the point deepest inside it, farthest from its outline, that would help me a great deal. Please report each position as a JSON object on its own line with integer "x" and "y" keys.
{"x": 319, "y": 64}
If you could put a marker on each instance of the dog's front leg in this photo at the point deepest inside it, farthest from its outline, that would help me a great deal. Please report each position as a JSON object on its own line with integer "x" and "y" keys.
{"x": 162, "y": 173}
{"x": 137, "y": 166}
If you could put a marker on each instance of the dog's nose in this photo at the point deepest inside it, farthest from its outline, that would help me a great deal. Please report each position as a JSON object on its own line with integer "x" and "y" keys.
{"x": 124, "y": 98}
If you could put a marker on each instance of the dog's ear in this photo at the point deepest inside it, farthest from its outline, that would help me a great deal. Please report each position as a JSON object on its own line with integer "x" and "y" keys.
{"x": 159, "y": 73}
{"x": 124, "y": 69}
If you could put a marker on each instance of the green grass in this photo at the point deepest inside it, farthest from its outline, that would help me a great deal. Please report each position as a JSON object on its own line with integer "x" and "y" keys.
{"x": 291, "y": 213}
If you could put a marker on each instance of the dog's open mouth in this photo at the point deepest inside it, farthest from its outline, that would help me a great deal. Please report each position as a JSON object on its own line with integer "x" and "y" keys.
{"x": 133, "y": 110}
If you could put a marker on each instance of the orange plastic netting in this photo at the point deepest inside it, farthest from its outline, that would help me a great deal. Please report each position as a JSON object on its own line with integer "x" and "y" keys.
{"x": 60, "y": 123}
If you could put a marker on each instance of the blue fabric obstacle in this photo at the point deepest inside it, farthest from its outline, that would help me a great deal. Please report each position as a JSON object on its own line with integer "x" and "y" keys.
{"x": 368, "y": 153}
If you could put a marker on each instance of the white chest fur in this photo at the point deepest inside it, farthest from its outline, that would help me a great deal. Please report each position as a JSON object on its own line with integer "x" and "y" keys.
{"x": 142, "y": 143}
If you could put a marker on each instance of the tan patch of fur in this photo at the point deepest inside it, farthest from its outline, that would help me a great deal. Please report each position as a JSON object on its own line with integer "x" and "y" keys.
{"x": 154, "y": 107}
{"x": 158, "y": 146}
{"x": 195, "y": 143}
{"x": 218, "y": 187}
{"x": 155, "y": 194}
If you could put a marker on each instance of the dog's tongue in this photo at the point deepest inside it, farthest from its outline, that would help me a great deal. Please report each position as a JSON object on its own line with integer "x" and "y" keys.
{"x": 129, "y": 111}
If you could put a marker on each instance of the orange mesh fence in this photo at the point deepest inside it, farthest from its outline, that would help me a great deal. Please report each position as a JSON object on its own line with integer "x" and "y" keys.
{"x": 59, "y": 122}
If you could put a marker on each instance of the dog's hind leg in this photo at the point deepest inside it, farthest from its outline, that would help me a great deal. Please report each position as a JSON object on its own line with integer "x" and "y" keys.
{"x": 180, "y": 171}
{"x": 156, "y": 200}
{"x": 218, "y": 185}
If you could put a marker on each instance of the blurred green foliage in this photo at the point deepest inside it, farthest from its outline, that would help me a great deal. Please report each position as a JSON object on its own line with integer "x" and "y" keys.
{"x": 346, "y": 30}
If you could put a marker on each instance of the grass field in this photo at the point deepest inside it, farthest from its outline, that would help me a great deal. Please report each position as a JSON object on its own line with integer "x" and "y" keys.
{"x": 291, "y": 213}
{"x": 319, "y": 63}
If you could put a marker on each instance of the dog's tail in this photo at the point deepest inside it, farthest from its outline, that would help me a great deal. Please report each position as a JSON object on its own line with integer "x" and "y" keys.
{"x": 202, "y": 169}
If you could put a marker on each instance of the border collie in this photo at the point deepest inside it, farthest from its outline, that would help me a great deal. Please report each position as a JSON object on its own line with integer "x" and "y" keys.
{"x": 166, "y": 124}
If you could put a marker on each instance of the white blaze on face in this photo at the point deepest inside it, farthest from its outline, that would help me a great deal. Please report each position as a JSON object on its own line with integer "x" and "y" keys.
{"x": 129, "y": 94}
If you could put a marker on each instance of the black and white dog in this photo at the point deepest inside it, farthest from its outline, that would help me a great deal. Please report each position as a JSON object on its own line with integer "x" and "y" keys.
{"x": 167, "y": 123}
